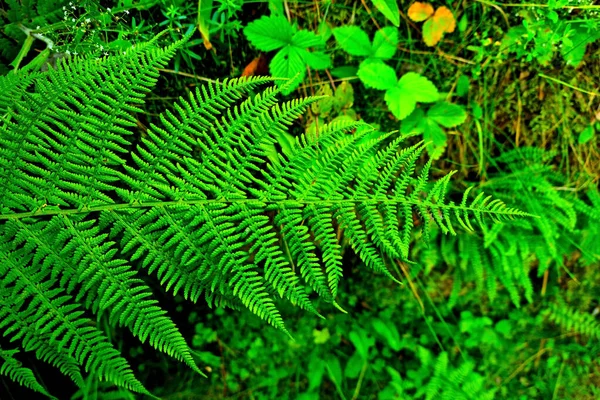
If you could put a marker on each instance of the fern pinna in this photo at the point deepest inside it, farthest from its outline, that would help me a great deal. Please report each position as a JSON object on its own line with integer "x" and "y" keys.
{"x": 199, "y": 200}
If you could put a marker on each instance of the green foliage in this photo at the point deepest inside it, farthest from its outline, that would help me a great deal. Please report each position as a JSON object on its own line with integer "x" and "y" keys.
{"x": 547, "y": 31}
{"x": 431, "y": 124}
{"x": 12, "y": 368}
{"x": 86, "y": 206}
{"x": 389, "y": 8}
{"x": 507, "y": 252}
{"x": 401, "y": 95}
{"x": 571, "y": 319}
{"x": 274, "y": 32}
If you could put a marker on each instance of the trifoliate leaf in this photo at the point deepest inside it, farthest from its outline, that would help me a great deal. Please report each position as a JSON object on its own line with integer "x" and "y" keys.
{"x": 385, "y": 43}
{"x": 419, "y": 12}
{"x": 434, "y": 28}
{"x": 376, "y": 74}
{"x": 447, "y": 114}
{"x": 410, "y": 89}
{"x": 389, "y": 8}
{"x": 587, "y": 134}
{"x": 269, "y": 32}
{"x": 353, "y": 40}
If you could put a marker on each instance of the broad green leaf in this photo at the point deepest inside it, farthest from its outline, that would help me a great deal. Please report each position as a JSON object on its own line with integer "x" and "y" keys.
{"x": 447, "y": 114}
{"x": 288, "y": 63}
{"x": 463, "y": 23}
{"x": 353, "y": 366}
{"x": 316, "y": 59}
{"x": 400, "y": 104}
{"x": 421, "y": 88}
{"x": 573, "y": 50}
{"x": 376, "y": 74}
{"x": 462, "y": 86}
{"x": 362, "y": 342}
{"x": 304, "y": 39}
{"x": 324, "y": 31}
{"x": 345, "y": 71}
{"x": 316, "y": 369}
{"x": 385, "y": 43}
{"x": 389, "y": 8}
{"x": 334, "y": 370}
{"x": 587, "y": 134}
{"x": 353, "y": 40}
{"x": 269, "y": 33}
{"x": 276, "y": 7}
{"x": 389, "y": 332}
{"x": 436, "y": 137}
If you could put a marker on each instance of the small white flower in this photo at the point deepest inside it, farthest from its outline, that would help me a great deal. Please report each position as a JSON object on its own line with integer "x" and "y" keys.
{"x": 105, "y": 53}
{"x": 108, "y": 9}
{"x": 37, "y": 27}
{"x": 67, "y": 52}
{"x": 127, "y": 12}
{"x": 87, "y": 20}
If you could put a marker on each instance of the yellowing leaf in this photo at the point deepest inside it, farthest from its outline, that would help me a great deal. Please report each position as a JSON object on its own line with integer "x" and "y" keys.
{"x": 420, "y": 11}
{"x": 434, "y": 28}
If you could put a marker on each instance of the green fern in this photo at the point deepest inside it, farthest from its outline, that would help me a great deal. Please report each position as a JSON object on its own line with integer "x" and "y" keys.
{"x": 13, "y": 368}
{"x": 573, "y": 320}
{"x": 504, "y": 253}
{"x": 455, "y": 383}
{"x": 86, "y": 206}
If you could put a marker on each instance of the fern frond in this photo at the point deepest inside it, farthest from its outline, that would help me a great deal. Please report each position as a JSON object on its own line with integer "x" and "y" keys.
{"x": 571, "y": 319}
{"x": 13, "y": 368}
{"x": 202, "y": 200}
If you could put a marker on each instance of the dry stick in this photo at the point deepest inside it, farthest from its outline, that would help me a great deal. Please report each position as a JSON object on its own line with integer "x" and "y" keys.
{"x": 412, "y": 285}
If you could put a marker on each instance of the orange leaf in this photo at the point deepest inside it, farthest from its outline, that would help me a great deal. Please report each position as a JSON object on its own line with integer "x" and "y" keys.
{"x": 434, "y": 28}
{"x": 258, "y": 66}
{"x": 420, "y": 11}
{"x": 251, "y": 68}
{"x": 444, "y": 15}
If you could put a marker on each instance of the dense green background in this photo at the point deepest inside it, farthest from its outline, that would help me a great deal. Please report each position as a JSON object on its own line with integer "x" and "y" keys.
{"x": 508, "y": 313}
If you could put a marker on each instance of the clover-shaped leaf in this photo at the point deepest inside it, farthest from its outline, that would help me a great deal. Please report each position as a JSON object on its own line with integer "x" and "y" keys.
{"x": 275, "y": 32}
{"x": 436, "y": 23}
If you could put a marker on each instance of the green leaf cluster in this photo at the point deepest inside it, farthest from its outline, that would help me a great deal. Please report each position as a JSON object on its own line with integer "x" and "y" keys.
{"x": 274, "y": 32}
